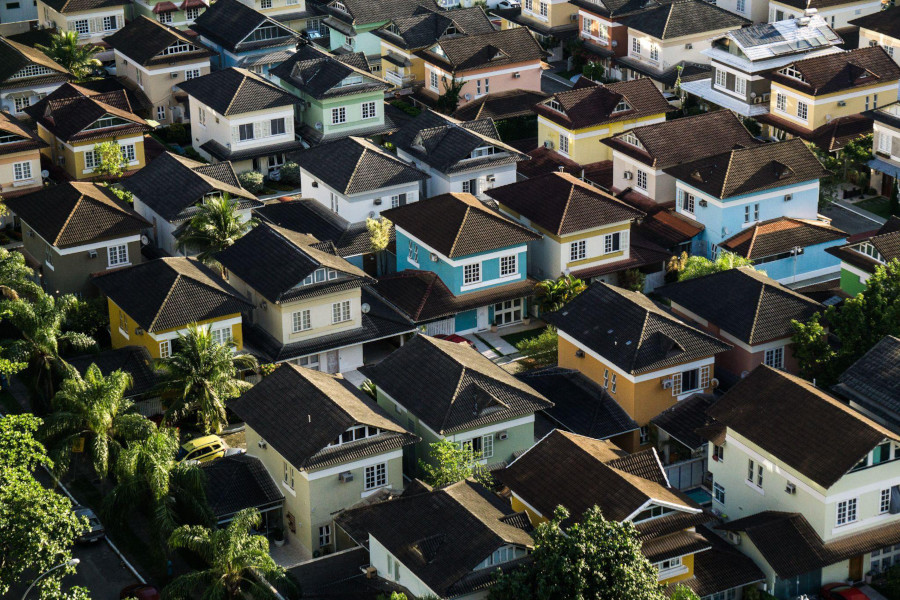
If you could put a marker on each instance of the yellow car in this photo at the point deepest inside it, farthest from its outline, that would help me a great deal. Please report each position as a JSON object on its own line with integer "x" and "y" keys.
{"x": 202, "y": 449}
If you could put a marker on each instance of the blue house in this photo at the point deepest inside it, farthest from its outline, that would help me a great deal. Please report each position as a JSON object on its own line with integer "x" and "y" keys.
{"x": 461, "y": 266}
{"x": 760, "y": 202}
{"x": 243, "y": 37}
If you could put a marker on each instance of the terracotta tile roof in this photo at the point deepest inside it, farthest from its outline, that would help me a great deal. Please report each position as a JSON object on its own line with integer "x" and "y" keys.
{"x": 670, "y": 228}
{"x": 777, "y": 236}
{"x": 841, "y": 71}
{"x": 873, "y": 381}
{"x": 235, "y": 91}
{"x": 364, "y": 12}
{"x": 543, "y": 161}
{"x": 721, "y": 568}
{"x": 501, "y": 105}
{"x": 829, "y": 137}
{"x": 680, "y": 543}
{"x": 886, "y": 240}
{"x": 614, "y": 8}
{"x": 143, "y": 40}
{"x": 493, "y": 50}
{"x": 682, "y": 18}
{"x": 595, "y": 104}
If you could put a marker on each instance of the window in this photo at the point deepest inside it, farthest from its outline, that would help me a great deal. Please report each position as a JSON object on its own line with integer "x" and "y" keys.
{"x": 867, "y": 103}
{"x": 846, "y": 512}
{"x": 470, "y": 186}
{"x": 577, "y": 250}
{"x": 83, "y": 27}
{"x": 123, "y": 321}
{"x": 245, "y": 132}
{"x": 31, "y": 71}
{"x": 741, "y": 6}
{"x": 870, "y": 251}
{"x": 802, "y": 110}
{"x": 509, "y": 265}
{"x": 288, "y": 474}
{"x": 324, "y": 530}
{"x": 487, "y": 446}
{"x": 165, "y": 349}
{"x": 718, "y": 453}
{"x": 191, "y": 74}
{"x": 434, "y": 81}
{"x": 477, "y": 87}
{"x": 554, "y": 105}
{"x": 376, "y": 476}
{"x": 605, "y": 378}
{"x": 164, "y": 17}
{"x": 368, "y": 110}
{"x": 160, "y": 113}
{"x": 543, "y": 9}
{"x": 721, "y": 78}
{"x": 335, "y": 202}
{"x": 264, "y": 4}
{"x": 654, "y": 52}
{"x": 12, "y": 5}
{"x": 302, "y": 320}
{"x": 775, "y": 358}
{"x": 755, "y": 472}
{"x": 884, "y": 503}
{"x": 719, "y": 493}
{"x": 221, "y": 335}
{"x": 586, "y": 25}
{"x": 118, "y": 255}
{"x": 612, "y": 387}
{"x": 310, "y": 362}
{"x": 886, "y": 557}
{"x": 690, "y": 381}
{"x": 471, "y": 273}
{"x": 687, "y": 202}
{"x": 563, "y": 143}
{"x": 529, "y": 5}
{"x": 338, "y": 115}
{"x": 641, "y": 180}
{"x": 192, "y": 13}
{"x": 874, "y": 101}
{"x": 884, "y": 143}
{"x": 636, "y": 45}
{"x": 740, "y": 85}
{"x": 612, "y": 242}
{"x": 110, "y": 23}
{"x": 622, "y": 106}
{"x": 128, "y": 153}
{"x": 277, "y": 126}
{"x": 751, "y": 212}
{"x": 22, "y": 103}
{"x": 22, "y": 171}
{"x": 781, "y": 102}
{"x": 645, "y": 434}
{"x": 413, "y": 253}
{"x": 267, "y": 32}
{"x": 340, "y": 311}
{"x": 487, "y": 85}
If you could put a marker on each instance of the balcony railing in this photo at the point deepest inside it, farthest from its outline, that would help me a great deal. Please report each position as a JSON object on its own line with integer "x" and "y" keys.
{"x": 398, "y": 79}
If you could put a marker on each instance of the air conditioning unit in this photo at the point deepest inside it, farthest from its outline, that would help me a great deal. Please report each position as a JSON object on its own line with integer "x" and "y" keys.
{"x": 490, "y": 179}
{"x": 667, "y": 383}
{"x": 345, "y": 477}
{"x": 174, "y": 75}
{"x": 377, "y": 202}
{"x": 758, "y": 100}
{"x": 790, "y": 488}
{"x": 502, "y": 435}
{"x": 262, "y": 444}
{"x": 138, "y": 331}
{"x": 548, "y": 144}
{"x": 30, "y": 233}
{"x": 573, "y": 17}
{"x": 788, "y": 197}
{"x": 315, "y": 184}
{"x": 434, "y": 257}
{"x": 579, "y": 353}
{"x": 703, "y": 203}
{"x": 842, "y": 103}
{"x": 92, "y": 254}
{"x": 628, "y": 175}
{"x": 734, "y": 537}
{"x": 766, "y": 96}
{"x": 516, "y": 75}
{"x": 688, "y": 46}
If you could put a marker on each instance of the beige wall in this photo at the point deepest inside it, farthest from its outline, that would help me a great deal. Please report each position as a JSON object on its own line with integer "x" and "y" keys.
{"x": 157, "y": 83}
{"x": 821, "y": 109}
{"x": 8, "y": 184}
{"x": 95, "y": 18}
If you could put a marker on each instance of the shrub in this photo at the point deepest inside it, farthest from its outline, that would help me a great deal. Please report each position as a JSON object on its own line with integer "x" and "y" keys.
{"x": 176, "y": 133}
{"x": 251, "y": 181}
{"x": 193, "y": 154}
{"x": 290, "y": 173}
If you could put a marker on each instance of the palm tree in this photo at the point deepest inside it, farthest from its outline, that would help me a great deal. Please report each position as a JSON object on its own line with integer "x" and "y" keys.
{"x": 216, "y": 226}
{"x": 234, "y": 556}
{"x": 200, "y": 376}
{"x": 16, "y": 277}
{"x": 689, "y": 267}
{"x": 553, "y": 294}
{"x": 93, "y": 408}
{"x": 64, "y": 49}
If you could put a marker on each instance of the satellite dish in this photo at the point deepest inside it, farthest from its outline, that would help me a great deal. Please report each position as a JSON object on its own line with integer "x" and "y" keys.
{"x": 753, "y": 94}
{"x": 371, "y": 214}
{"x": 319, "y": 126}
{"x": 468, "y": 96}
{"x": 365, "y": 308}
{"x": 45, "y": 174}
{"x": 145, "y": 240}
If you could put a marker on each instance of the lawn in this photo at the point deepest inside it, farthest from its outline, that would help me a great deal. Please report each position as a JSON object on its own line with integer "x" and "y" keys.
{"x": 515, "y": 338}
{"x": 878, "y": 205}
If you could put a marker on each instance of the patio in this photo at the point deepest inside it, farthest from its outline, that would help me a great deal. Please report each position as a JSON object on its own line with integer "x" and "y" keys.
{"x": 492, "y": 345}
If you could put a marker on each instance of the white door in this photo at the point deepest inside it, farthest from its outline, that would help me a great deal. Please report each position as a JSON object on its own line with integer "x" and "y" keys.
{"x": 333, "y": 361}
{"x": 483, "y": 318}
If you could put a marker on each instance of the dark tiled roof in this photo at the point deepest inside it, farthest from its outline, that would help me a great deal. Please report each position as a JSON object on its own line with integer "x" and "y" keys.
{"x": 579, "y": 405}
{"x": 882, "y": 21}
{"x": 318, "y": 73}
{"x": 658, "y": 151}
{"x": 841, "y": 71}
{"x": 682, "y": 420}
{"x": 143, "y": 40}
{"x": 76, "y": 213}
{"x": 173, "y": 185}
{"x": 873, "y": 381}
{"x": 236, "y": 91}
{"x": 669, "y": 228}
{"x": 781, "y": 397}
{"x": 134, "y": 360}
{"x": 562, "y": 204}
{"x": 274, "y": 261}
{"x": 299, "y": 412}
{"x": 628, "y": 329}
{"x": 338, "y": 576}
{"x": 365, "y": 12}
{"x": 543, "y": 161}
{"x": 421, "y": 30}
{"x": 680, "y": 543}
{"x": 223, "y": 153}
{"x": 755, "y": 310}
{"x": 594, "y": 105}
{"x": 184, "y": 291}
{"x": 777, "y": 236}
{"x": 614, "y": 8}
{"x": 441, "y": 536}
{"x": 721, "y": 568}
{"x": 15, "y": 56}
{"x": 747, "y": 170}
{"x": 499, "y": 106}
{"x": 229, "y": 22}
{"x": 886, "y": 240}
{"x": 354, "y": 165}
{"x": 28, "y": 140}
{"x": 451, "y": 387}
{"x": 683, "y": 18}
{"x": 236, "y": 482}
{"x": 70, "y": 6}
{"x": 485, "y": 50}
{"x": 458, "y": 224}
{"x": 829, "y": 137}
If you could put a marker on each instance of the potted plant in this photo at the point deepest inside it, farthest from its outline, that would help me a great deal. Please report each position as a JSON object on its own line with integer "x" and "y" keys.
{"x": 493, "y": 326}
{"x": 278, "y": 536}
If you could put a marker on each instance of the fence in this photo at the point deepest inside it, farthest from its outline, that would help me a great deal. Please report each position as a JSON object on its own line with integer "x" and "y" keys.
{"x": 687, "y": 474}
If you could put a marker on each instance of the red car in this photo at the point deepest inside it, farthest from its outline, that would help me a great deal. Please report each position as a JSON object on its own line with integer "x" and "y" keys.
{"x": 842, "y": 591}
{"x": 456, "y": 339}
{"x": 139, "y": 591}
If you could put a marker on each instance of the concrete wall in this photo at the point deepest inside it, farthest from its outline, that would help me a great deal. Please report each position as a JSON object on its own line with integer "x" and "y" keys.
{"x": 442, "y": 183}
{"x": 868, "y": 37}
{"x": 179, "y": 20}
{"x": 821, "y": 109}
{"x": 480, "y": 82}
{"x": 96, "y": 22}
{"x": 9, "y": 186}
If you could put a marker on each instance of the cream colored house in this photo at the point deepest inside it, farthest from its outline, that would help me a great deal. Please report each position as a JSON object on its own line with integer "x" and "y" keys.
{"x": 837, "y": 14}
{"x": 91, "y": 19}
{"x": 881, "y": 29}
{"x": 548, "y": 20}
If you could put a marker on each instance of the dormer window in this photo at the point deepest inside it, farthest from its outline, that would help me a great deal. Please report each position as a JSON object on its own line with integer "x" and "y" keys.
{"x": 621, "y": 106}
{"x": 392, "y": 28}
{"x": 652, "y": 512}
{"x": 554, "y": 105}
{"x": 178, "y": 48}
{"x": 451, "y": 30}
{"x": 32, "y": 71}
{"x": 340, "y": 6}
{"x": 438, "y": 50}
{"x": 107, "y": 121}
{"x": 484, "y": 151}
{"x": 630, "y": 138}
{"x": 267, "y": 32}
{"x": 9, "y": 138}
{"x": 793, "y": 73}
{"x": 502, "y": 555}
{"x": 870, "y": 251}
{"x": 360, "y": 432}
{"x": 351, "y": 80}
{"x": 320, "y": 275}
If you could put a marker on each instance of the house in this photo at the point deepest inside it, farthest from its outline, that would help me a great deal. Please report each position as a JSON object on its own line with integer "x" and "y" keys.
{"x": 309, "y": 306}
{"x": 461, "y": 397}
{"x": 74, "y": 119}
{"x": 479, "y": 256}
{"x": 92, "y": 20}
{"x": 601, "y": 28}
{"x": 28, "y": 76}
{"x": 168, "y": 191}
{"x": 155, "y": 58}
{"x": 238, "y": 116}
{"x": 443, "y": 543}
{"x": 180, "y": 15}
{"x": 136, "y": 362}
{"x": 551, "y": 22}
{"x": 243, "y": 37}
{"x": 880, "y": 28}
{"x": 870, "y": 384}
{"x": 327, "y": 445}
{"x": 740, "y": 59}
{"x": 512, "y": 104}
{"x": 20, "y": 159}
{"x": 837, "y": 13}
{"x": 885, "y": 163}
{"x": 75, "y": 229}
{"x": 643, "y": 356}
{"x": 805, "y": 523}
{"x": 184, "y": 291}
{"x": 299, "y": 15}
{"x": 669, "y": 36}
{"x": 572, "y": 123}
{"x": 18, "y": 14}
{"x": 640, "y": 154}
{"x": 813, "y": 95}
{"x": 484, "y": 63}
{"x": 403, "y": 37}
{"x": 340, "y": 96}
{"x": 458, "y": 157}
{"x": 238, "y": 482}
{"x": 585, "y": 231}
{"x": 754, "y": 317}
{"x": 357, "y": 179}
{"x": 682, "y": 448}
{"x": 865, "y": 252}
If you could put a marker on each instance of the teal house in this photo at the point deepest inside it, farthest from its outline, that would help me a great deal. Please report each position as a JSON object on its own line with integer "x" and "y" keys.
{"x": 461, "y": 266}
{"x": 461, "y": 396}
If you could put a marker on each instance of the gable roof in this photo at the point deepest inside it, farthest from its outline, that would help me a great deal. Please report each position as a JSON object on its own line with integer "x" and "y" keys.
{"x": 70, "y": 6}
{"x": 682, "y": 18}
{"x": 15, "y": 56}
{"x": 841, "y": 71}
{"x": 460, "y": 389}
{"x": 630, "y": 330}
{"x": 173, "y": 185}
{"x": 143, "y": 41}
{"x": 28, "y": 140}
{"x": 593, "y": 105}
{"x": 682, "y": 420}
{"x": 184, "y": 291}
{"x": 886, "y": 240}
{"x": 458, "y": 224}
{"x": 236, "y": 482}
{"x": 562, "y": 204}
{"x": 777, "y": 236}
{"x": 75, "y": 213}
{"x": 886, "y": 22}
{"x": 755, "y": 310}
{"x": 234, "y": 91}
{"x": 873, "y": 381}
{"x": 418, "y": 31}
{"x": 751, "y": 169}
{"x": 495, "y": 49}
{"x": 299, "y": 412}
{"x": 229, "y": 22}
{"x": 781, "y": 397}
{"x": 500, "y": 105}
{"x": 765, "y": 41}
{"x": 318, "y": 73}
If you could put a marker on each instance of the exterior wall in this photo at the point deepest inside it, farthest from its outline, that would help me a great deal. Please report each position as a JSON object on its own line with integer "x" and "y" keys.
{"x": 660, "y": 186}
{"x": 498, "y": 80}
{"x": 67, "y": 22}
{"x": 821, "y": 109}
{"x": 8, "y": 183}
{"x": 364, "y": 41}
{"x": 358, "y": 207}
{"x": 836, "y": 16}
{"x": 867, "y": 37}
{"x": 755, "y": 10}
{"x": 599, "y": 31}
{"x": 853, "y": 280}
{"x": 415, "y": 72}
{"x": 442, "y": 183}
{"x": 755, "y": 86}
{"x": 812, "y": 263}
{"x": 559, "y": 13}
{"x": 26, "y": 11}
{"x": 179, "y": 18}
{"x": 164, "y": 231}
{"x": 671, "y": 51}
{"x": 22, "y": 89}
{"x": 319, "y": 111}
{"x": 584, "y": 144}
{"x": 378, "y": 558}
{"x": 157, "y": 83}
{"x": 71, "y": 157}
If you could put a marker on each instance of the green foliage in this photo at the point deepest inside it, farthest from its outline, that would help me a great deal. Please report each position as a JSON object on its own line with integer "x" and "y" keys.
{"x": 409, "y": 109}
{"x": 894, "y": 203}
{"x": 448, "y": 102}
{"x": 754, "y": 593}
{"x": 122, "y": 194}
{"x": 65, "y": 50}
{"x": 176, "y": 133}
{"x": 685, "y": 267}
{"x": 252, "y": 181}
{"x": 450, "y": 463}
{"x": 88, "y": 317}
{"x": 683, "y": 592}
{"x": 858, "y": 324}
{"x": 593, "y": 71}
{"x": 369, "y": 389}
{"x": 540, "y": 351}
{"x": 111, "y": 161}
{"x": 379, "y": 240}
{"x": 200, "y": 376}
{"x": 595, "y": 559}
{"x": 290, "y": 173}
{"x": 633, "y": 280}
{"x": 216, "y": 226}
{"x": 17, "y": 278}
{"x": 553, "y": 294}
{"x": 194, "y": 155}
{"x": 268, "y": 368}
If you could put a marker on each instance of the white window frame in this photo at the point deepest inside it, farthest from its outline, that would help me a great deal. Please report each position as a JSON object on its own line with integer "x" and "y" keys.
{"x": 884, "y": 502}
{"x": 368, "y": 110}
{"x": 288, "y": 477}
{"x": 640, "y": 180}
{"x": 117, "y": 255}
{"x": 221, "y": 335}
{"x": 324, "y": 530}
{"x": 339, "y": 115}
{"x": 577, "y": 250}
{"x": 301, "y": 320}
{"x": 434, "y": 81}
{"x": 165, "y": 349}
{"x": 509, "y": 265}
{"x": 846, "y": 512}
{"x": 472, "y": 273}
{"x": 375, "y": 477}
{"x": 719, "y": 493}
{"x": 191, "y": 74}
{"x": 82, "y": 26}
{"x": 774, "y": 357}
{"x": 610, "y": 243}
{"x": 164, "y": 17}
{"x": 22, "y": 171}
{"x": 563, "y": 143}
{"x": 780, "y": 102}
{"x": 803, "y": 110}
{"x": 340, "y": 312}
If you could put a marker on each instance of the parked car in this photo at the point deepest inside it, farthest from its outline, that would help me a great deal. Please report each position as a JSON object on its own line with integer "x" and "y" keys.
{"x": 509, "y": 4}
{"x": 842, "y": 591}
{"x": 94, "y": 529}
{"x": 202, "y": 449}
{"x": 139, "y": 591}
{"x": 456, "y": 339}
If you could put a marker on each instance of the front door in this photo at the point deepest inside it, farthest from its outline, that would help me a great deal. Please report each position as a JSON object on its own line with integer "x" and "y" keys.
{"x": 483, "y": 318}
{"x": 333, "y": 362}
{"x": 856, "y": 568}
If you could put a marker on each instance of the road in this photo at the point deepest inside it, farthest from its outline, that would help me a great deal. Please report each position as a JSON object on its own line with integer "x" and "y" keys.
{"x": 101, "y": 571}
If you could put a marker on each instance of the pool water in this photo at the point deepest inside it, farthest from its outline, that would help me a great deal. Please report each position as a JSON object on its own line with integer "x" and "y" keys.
{"x": 699, "y": 495}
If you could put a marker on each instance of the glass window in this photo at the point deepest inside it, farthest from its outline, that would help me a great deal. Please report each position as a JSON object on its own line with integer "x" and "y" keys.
{"x": 340, "y": 311}
{"x": 636, "y": 45}
{"x": 654, "y": 52}
{"x": 324, "y": 530}
{"x": 191, "y": 74}
{"x": 301, "y": 320}
{"x": 245, "y": 132}
{"x": 118, "y": 255}
{"x": 413, "y": 252}
{"x": 563, "y": 143}
{"x": 612, "y": 242}
{"x": 288, "y": 474}
{"x": 846, "y": 512}
{"x": 884, "y": 503}
{"x": 22, "y": 103}
{"x": 605, "y": 378}
{"x": 82, "y": 26}
{"x": 110, "y": 23}
{"x": 277, "y": 126}
{"x": 164, "y": 17}
{"x": 719, "y": 493}
{"x": 434, "y": 81}
{"x": 687, "y": 202}
{"x": 775, "y": 358}
{"x": 612, "y": 386}
{"x": 221, "y": 335}
{"x": 192, "y": 13}
{"x": 543, "y": 9}
{"x": 376, "y": 476}
{"x": 578, "y": 250}
{"x": 487, "y": 446}
{"x": 338, "y": 115}
{"x": 641, "y": 180}
{"x": 644, "y": 433}
{"x": 22, "y": 171}
{"x": 368, "y": 110}
{"x": 165, "y": 349}
{"x": 471, "y": 273}
{"x": 310, "y": 362}
{"x": 509, "y": 265}
{"x": 781, "y": 102}
{"x": 803, "y": 110}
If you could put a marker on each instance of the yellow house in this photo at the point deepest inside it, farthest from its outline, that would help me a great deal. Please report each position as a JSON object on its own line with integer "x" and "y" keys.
{"x": 20, "y": 160}
{"x": 573, "y": 122}
{"x": 820, "y": 99}
{"x": 90, "y": 19}
{"x": 75, "y": 118}
{"x": 152, "y": 303}
{"x": 550, "y": 21}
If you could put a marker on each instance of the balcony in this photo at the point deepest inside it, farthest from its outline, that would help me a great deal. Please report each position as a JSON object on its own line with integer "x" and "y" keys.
{"x": 398, "y": 79}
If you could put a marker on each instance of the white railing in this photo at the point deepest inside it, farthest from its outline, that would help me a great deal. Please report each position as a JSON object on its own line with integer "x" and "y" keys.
{"x": 686, "y": 474}
{"x": 397, "y": 79}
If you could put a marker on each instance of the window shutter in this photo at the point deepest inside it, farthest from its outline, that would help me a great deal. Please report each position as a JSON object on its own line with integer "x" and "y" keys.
{"x": 235, "y": 136}
{"x": 258, "y": 130}
{"x": 623, "y": 240}
{"x": 704, "y": 377}
{"x": 676, "y": 384}
{"x": 895, "y": 146}
{"x": 96, "y": 24}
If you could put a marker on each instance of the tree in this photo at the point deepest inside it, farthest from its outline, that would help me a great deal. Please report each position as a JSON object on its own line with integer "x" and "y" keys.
{"x": 200, "y": 376}
{"x": 17, "y": 276}
{"x": 93, "y": 409}
{"x": 235, "y": 558}
{"x": 110, "y": 160}
{"x": 540, "y": 351}
{"x": 894, "y": 203}
{"x": 553, "y": 294}
{"x": 65, "y": 50}
{"x": 379, "y": 239}
{"x": 633, "y": 280}
{"x": 686, "y": 267}
{"x": 450, "y": 462}
{"x": 595, "y": 559}
{"x": 448, "y": 102}
{"x": 216, "y": 226}
{"x": 683, "y": 592}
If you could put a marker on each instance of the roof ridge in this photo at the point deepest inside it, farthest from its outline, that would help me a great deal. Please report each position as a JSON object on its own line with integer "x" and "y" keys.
{"x": 562, "y": 219}
{"x": 81, "y": 196}
{"x": 165, "y": 300}
{"x": 236, "y": 92}
{"x": 753, "y": 235}
{"x": 731, "y": 158}
{"x": 355, "y": 169}
{"x": 759, "y": 300}
{"x": 668, "y": 18}
{"x": 455, "y": 395}
{"x": 459, "y": 229}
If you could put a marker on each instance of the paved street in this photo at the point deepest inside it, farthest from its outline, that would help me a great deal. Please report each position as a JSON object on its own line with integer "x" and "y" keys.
{"x": 101, "y": 571}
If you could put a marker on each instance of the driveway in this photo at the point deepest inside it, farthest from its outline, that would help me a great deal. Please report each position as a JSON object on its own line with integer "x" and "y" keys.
{"x": 101, "y": 571}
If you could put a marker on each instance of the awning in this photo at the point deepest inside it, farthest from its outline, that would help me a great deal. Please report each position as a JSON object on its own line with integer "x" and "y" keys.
{"x": 164, "y": 7}
{"x": 193, "y": 4}
{"x": 884, "y": 167}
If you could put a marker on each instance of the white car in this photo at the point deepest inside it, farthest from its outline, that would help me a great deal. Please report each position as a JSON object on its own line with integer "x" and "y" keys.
{"x": 509, "y": 4}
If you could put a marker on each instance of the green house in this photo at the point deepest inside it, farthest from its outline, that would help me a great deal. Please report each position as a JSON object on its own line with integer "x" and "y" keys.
{"x": 866, "y": 252}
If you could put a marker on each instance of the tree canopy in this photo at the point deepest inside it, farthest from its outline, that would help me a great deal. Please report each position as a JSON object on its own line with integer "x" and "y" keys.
{"x": 689, "y": 267}
{"x": 541, "y": 350}
{"x": 64, "y": 48}
{"x": 216, "y": 226}
{"x": 450, "y": 462}
{"x": 553, "y": 294}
